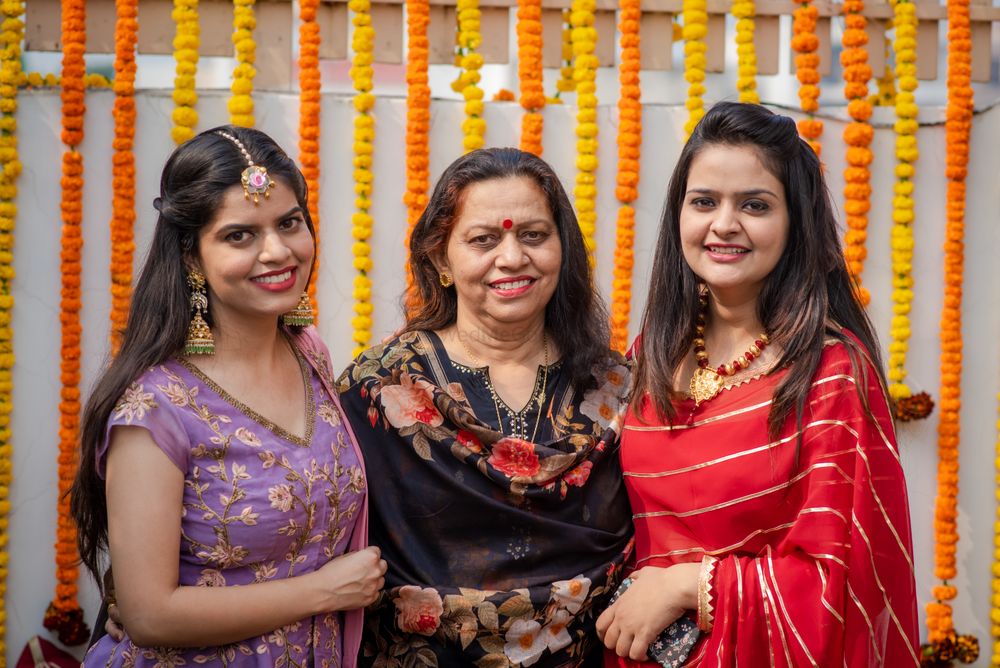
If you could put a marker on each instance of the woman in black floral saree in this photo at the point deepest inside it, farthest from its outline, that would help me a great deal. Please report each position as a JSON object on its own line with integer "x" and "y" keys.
{"x": 489, "y": 428}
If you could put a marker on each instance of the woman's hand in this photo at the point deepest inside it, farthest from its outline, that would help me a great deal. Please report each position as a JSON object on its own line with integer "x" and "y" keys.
{"x": 352, "y": 580}
{"x": 656, "y": 598}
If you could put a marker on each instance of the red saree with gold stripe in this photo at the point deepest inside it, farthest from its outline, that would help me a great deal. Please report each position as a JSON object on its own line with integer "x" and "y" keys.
{"x": 813, "y": 536}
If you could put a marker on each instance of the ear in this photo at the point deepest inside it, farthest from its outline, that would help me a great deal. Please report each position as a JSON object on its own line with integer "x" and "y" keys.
{"x": 440, "y": 262}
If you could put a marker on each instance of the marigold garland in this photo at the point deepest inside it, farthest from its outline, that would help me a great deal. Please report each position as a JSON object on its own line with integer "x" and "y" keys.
{"x": 11, "y": 36}
{"x": 64, "y": 615}
{"x": 241, "y": 102}
{"x": 629, "y": 145}
{"x": 858, "y": 136}
{"x": 362, "y": 43}
{"x": 995, "y": 579}
{"x": 565, "y": 83}
{"x": 186, "y": 42}
{"x": 746, "y": 53}
{"x": 309, "y": 115}
{"x": 529, "y": 73}
{"x": 805, "y": 44}
{"x": 469, "y": 60}
{"x": 695, "y": 13}
{"x": 909, "y": 406}
{"x": 943, "y": 642}
{"x": 585, "y": 65}
{"x": 123, "y": 168}
{"x": 418, "y": 121}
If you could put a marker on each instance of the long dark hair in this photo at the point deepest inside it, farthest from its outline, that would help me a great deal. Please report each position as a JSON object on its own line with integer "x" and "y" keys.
{"x": 192, "y": 188}
{"x": 576, "y": 313}
{"x": 807, "y": 297}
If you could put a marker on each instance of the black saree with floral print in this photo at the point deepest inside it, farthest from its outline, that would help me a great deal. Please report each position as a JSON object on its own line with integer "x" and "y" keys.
{"x": 505, "y": 530}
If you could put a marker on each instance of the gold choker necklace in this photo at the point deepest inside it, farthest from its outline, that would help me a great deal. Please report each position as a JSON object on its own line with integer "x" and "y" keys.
{"x": 706, "y": 382}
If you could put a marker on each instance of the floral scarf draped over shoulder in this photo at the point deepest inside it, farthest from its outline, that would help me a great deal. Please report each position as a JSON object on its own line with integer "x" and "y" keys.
{"x": 505, "y": 528}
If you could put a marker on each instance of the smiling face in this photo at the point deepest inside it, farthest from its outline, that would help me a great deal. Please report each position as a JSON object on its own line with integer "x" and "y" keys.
{"x": 256, "y": 258}
{"x": 503, "y": 253}
{"x": 734, "y": 221}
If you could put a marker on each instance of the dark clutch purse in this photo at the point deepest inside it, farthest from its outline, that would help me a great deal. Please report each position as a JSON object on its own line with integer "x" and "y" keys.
{"x": 674, "y": 644}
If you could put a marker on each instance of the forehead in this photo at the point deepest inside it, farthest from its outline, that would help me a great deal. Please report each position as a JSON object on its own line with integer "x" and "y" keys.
{"x": 235, "y": 208}
{"x": 731, "y": 166}
{"x": 493, "y": 200}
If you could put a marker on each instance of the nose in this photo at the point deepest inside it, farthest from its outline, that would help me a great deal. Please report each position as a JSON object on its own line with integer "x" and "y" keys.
{"x": 726, "y": 221}
{"x": 510, "y": 253}
{"x": 273, "y": 249}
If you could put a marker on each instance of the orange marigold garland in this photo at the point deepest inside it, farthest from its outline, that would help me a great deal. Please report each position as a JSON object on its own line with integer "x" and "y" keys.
{"x": 11, "y": 36}
{"x": 858, "y": 136}
{"x": 186, "y": 43}
{"x": 805, "y": 43}
{"x": 241, "y": 102}
{"x": 529, "y": 72}
{"x": 629, "y": 144}
{"x": 123, "y": 168}
{"x": 309, "y": 115}
{"x": 418, "y": 122}
{"x": 944, "y": 644}
{"x": 64, "y": 615}
{"x": 995, "y": 571}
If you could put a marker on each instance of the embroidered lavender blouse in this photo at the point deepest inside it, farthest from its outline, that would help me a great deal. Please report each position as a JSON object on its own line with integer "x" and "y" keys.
{"x": 259, "y": 504}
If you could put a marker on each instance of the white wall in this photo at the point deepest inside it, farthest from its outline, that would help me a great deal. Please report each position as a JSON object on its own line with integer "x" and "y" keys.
{"x": 36, "y": 313}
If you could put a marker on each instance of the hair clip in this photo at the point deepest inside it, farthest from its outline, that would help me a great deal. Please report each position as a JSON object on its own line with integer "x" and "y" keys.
{"x": 254, "y": 178}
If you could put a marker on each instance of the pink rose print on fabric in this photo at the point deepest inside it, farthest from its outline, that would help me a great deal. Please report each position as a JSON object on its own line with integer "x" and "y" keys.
{"x": 410, "y": 402}
{"x": 514, "y": 457}
{"x": 469, "y": 440}
{"x": 418, "y": 610}
{"x": 578, "y": 476}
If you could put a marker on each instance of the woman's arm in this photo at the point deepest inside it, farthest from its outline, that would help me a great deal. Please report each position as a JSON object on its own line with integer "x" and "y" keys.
{"x": 145, "y": 492}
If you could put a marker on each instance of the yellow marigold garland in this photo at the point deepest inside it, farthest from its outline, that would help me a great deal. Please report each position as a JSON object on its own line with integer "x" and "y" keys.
{"x": 186, "y": 43}
{"x": 943, "y": 643}
{"x": 695, "y": 13}
{"x": 995, "y": 579}
{"x": 309, "y": 115}
{"x": 858, "y": 136}
{"x": 64, "y": 615}
{"x": 909, "y": 406}
{"x": 418, "y": 122}
{"x": 362, "y": 43}
{"x": 585, "y": 65}
{"x": 123, "y": 167}
{"x": 53, "y": 80}
{"x": 529, "y": 72}
{"x": 241, "y": 102}
{"x": 11, "y": 36}
{"x": 629, "y": 144}
{"x": 565, "y": 83}
{"x": 746, "y": 54}
{"x": 470, "y": 61}
{"x": 805, "y": 44}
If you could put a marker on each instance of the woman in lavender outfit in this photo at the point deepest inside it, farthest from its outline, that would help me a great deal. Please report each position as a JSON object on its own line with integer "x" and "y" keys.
{"x": 214, "y": 452}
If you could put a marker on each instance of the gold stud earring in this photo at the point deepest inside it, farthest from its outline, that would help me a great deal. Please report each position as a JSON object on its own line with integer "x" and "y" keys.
{"x": 301, "y": 315}
{"x": 199, "y": 337}
{"x": 445, "y": 279}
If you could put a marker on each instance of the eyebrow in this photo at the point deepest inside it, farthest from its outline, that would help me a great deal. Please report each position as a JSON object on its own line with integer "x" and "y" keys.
{"x": 744, "y": 193}
{"x": 226, "y": 229}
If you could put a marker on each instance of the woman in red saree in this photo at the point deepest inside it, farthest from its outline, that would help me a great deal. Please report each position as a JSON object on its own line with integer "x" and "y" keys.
{"x": 767, "y": 493}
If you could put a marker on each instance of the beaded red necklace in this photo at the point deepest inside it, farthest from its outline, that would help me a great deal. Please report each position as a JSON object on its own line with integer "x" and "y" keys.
{"x": 706, "y": 383}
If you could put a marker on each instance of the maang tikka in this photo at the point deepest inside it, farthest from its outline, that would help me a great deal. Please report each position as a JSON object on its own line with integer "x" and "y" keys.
{"x": 254, "y": 178}
{"x": 199, "y": 336}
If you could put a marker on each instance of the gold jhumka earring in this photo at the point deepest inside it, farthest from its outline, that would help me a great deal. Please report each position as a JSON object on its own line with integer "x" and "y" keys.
{"x": 199, "y": 336}
{"x": 301, "y": 315}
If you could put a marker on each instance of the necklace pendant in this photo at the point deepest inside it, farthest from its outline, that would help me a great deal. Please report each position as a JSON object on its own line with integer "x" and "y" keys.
{"x": 705, "y": 385}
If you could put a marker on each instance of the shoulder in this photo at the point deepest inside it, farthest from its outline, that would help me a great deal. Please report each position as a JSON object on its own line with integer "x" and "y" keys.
{"x": 404, "y": 351}
{"x": 158, "y": 389}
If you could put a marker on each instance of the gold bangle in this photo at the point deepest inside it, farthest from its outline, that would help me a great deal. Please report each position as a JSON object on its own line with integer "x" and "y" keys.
{"x": 706, "y": 612}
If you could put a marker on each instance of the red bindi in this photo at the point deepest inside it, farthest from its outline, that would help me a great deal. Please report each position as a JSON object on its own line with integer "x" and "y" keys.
{"x": 508, "y": 223}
